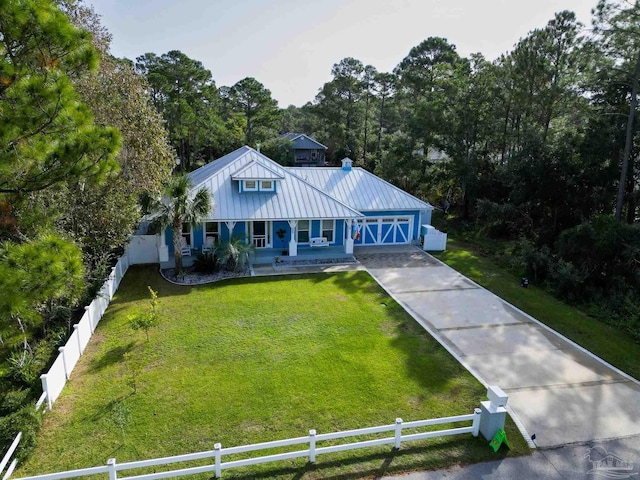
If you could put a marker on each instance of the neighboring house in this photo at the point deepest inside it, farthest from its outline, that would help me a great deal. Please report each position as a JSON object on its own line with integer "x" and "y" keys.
{"x": 256, "y": 197}
{"x": 307, "y": 152}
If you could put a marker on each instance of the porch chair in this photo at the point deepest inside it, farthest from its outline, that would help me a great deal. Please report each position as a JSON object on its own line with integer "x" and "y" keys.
{"x": 209, "y": 244}
{"x": 185, "y": 248}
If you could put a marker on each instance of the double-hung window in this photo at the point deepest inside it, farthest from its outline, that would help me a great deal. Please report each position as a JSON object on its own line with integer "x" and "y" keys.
{"x": 186, "y": 233}
{"x": 211, "y": 231}
{"x": 328, "y": 228}
{"x": 303, "y": 231}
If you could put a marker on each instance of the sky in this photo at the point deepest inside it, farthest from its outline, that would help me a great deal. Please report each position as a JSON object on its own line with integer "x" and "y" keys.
{"x": 290, "y": 45}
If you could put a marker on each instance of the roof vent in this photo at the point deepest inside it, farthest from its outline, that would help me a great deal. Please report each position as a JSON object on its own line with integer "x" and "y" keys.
{"x": 346, "y": 164}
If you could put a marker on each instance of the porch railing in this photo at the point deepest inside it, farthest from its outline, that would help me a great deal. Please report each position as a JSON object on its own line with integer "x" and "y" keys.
{"x": 260, "y": 241}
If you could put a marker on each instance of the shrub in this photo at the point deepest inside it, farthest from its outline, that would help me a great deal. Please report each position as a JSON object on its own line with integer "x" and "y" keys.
{"x": 502, "y": 220}
{"x": 26, "y": 364}
{"x": 148, "y": 319}
{"x": 13, "y": 400}
{"x": 536, "y": 262}
{"x": 206, "y": 262}
{"x": 608, "y": 250}
{"x": 567, "y": 281}
{"x": 26, "y": 420}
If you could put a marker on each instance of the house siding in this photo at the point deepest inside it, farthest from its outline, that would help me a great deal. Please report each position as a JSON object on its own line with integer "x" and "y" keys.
{"x": 277, "y": 243}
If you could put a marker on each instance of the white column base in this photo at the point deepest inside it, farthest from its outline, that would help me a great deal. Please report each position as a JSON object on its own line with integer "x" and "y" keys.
{"x": 348, "y": 246}
{"x": 163, "y": 253}
{"x": 293, "y": 248}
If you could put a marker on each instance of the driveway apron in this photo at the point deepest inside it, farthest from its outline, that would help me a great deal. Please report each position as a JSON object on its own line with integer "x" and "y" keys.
{"x": 557, "y": 390}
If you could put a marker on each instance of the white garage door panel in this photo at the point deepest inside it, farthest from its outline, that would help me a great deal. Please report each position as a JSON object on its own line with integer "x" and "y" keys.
{"x": 386, "y": 230}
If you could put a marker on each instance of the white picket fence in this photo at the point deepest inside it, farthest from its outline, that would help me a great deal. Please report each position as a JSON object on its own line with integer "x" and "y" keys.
{"x": 433, "y": 239}
{"x": 55, "y": 379}
{"x": 311, "y": 451}
{"x": 139, "y": 251}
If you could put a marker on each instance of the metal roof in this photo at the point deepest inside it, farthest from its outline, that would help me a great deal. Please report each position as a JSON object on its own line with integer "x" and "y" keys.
{"x": 256, "y": 171}
{"x": 293, "y": 199}
{"x": 302, "y": 141}
{"x": 360, "y": 189}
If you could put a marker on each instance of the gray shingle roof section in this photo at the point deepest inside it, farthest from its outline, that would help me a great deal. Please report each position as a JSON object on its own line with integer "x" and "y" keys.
{"x": 302, "y": 141}
{"x": 294, "y": 199}
{"x": 360, "y": 189}
{"x": 256, "y": 171}
{"x": 290, "y": 135}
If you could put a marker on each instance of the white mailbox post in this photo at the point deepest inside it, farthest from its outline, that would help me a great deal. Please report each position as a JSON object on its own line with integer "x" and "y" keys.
{"x": 493, "y": 413}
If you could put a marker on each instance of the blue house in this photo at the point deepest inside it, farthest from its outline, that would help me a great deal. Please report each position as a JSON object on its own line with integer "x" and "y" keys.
{"x": 255, "y": 198}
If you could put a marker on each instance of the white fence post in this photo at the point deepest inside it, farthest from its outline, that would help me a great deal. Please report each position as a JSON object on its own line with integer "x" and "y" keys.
{"x": 398, "y": 433}
{"x": 88, "y": 310}
{"x": 45, "y": 389}
{"x": 111, "y": 463}
{"x": 75, "y": 329}
{"x": 67, "y": 373}
{"x": 112, "y": 281}
{"x": 119, "y": 271}
{"x": 312, "y": 446}
{"x": 476, "y": 421}
{"x": 218, "y": 456}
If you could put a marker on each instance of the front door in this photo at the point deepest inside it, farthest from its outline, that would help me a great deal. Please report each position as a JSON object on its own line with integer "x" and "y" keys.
{"x": 261, "y": 234}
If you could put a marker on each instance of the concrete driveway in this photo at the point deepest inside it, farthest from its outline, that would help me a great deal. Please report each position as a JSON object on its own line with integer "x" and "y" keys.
{"x": 557, "y": 391}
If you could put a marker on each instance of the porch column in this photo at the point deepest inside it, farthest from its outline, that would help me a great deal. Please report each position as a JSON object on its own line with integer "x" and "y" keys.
{"x": 348, "y": 244}
{"x": 163, "y": 248}
{"x": 230, "y": 226}
{"x": 293, "y": 243}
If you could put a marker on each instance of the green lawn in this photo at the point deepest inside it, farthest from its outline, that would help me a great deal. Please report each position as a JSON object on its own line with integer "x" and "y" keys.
{"x": 612, "y": 345}
{"x": 253, "y": 360}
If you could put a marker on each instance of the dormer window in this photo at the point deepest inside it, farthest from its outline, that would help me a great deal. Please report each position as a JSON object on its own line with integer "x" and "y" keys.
{"x": 257, "y": 186}
{"x": 258, "y": 177}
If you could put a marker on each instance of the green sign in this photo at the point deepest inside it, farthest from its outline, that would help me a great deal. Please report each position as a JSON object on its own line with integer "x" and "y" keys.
{"x": 498, "y": 439}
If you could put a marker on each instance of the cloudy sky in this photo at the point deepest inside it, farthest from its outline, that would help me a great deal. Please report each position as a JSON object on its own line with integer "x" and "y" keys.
{"x": 291, "y": 45}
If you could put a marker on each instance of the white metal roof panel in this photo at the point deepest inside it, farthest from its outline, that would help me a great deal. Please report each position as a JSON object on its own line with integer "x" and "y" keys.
{"x": 360, "y": 189}
{"x": 294, "y": 198}
{"x": 256, "y": 171}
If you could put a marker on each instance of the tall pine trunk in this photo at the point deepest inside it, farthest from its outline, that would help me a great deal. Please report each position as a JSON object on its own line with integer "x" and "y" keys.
{"x": 626, "y": 159}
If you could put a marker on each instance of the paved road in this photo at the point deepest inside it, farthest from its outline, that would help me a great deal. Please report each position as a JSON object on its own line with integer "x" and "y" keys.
{"x": 556, "y": 390}
{"x": 572, "y": 462}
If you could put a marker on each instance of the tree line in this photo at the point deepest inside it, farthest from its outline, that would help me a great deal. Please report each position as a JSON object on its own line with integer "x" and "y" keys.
{"x": 538, "y": 148}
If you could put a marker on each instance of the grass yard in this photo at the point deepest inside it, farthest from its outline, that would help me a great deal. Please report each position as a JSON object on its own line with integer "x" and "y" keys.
{"x": 253, "y": 360}
{"x": 608, "y": 343}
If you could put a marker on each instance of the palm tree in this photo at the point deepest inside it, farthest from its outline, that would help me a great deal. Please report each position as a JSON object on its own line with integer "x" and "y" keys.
{"x": 179, "y": 206}
{"x": 234, "y": 254}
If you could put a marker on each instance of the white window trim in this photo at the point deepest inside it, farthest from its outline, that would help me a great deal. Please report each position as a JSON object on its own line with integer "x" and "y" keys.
{"x": 333, "y": 229}
{"x": 182, "y": 234}
{"x": 308, "y": 230}
{"x": 247, "y": 189}
{"x": 264, "y": 189}
{"x": 204, "y": 231}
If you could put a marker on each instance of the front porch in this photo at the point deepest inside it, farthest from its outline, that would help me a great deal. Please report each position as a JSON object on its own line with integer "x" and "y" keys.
{"x": 267, "y": 256}
{"x": 305, "y": 254}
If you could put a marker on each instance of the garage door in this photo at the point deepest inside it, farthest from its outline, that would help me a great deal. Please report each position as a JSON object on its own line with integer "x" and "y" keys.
{"x": 386, "y": 230}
